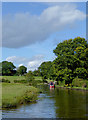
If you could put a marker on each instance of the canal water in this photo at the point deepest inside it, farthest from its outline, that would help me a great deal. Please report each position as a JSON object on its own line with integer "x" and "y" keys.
{"x": 54, "y": 103}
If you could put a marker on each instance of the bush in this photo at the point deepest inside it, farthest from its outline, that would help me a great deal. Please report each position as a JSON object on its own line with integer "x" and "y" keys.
{"x": 84, "y": 85}
{"x": 20, "y": 81}
{"x": 4, "y": 80}
{"x": 78, "y": 82}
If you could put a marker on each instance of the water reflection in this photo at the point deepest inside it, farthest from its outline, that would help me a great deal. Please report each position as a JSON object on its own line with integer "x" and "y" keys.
{"x": 71, "y": 103}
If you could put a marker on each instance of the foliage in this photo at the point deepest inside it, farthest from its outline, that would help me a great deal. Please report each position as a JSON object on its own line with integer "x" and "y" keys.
{"x": 29, "y": 77}
{"x": 21, "y": 70}
{"x": 65, "y": 75}
{"x": 71, "y": 61}
{"x": 4, "y": 80}
{"x": 79, "y": 82}
{"x": 45, "y": 68}
{"x": 36, "y": 73}
{"x": 81, "y": 73}
{"x": 20, "y": 81}
{"x": 7, "y": 68}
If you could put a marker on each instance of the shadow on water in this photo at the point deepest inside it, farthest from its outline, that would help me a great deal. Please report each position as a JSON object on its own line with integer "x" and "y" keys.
{"x": 71, "y": 103}
{"x": 53, "y": 103}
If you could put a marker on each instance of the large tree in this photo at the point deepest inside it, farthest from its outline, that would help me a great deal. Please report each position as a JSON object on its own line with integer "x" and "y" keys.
{"x": 72, "y": 55}
{"x": 45, "y": 69}
{"x": 22, "y": 70}
{"x": 7, "y": 68}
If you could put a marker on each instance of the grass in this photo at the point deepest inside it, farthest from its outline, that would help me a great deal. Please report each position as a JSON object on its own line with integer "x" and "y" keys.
{"x": 12, "y": 78}
{"x": 15, "y": 94}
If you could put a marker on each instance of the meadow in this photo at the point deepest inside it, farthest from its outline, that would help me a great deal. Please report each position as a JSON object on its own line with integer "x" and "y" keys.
{"x": 14, "y": 94}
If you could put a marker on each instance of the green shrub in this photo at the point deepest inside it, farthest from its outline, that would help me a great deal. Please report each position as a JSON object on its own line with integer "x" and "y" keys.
{"x": 4, "y": 80}
{"x": 79, "y": 82}
{"x": 20, "y": 81}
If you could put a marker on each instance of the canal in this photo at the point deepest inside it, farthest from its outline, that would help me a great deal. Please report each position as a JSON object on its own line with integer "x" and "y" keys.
{"x": 54, "y": 103}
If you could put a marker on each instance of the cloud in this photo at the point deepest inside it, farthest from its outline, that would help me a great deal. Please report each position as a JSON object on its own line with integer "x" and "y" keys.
{"x": 20, "y": 65}
{"x": 23, "y": 29}
{"x": 31, "y": 64}
{"x": 17, "y": 60}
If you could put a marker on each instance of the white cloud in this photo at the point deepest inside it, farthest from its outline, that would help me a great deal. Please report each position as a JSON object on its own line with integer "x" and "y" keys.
{"x": 23, "y": 29}
{"x": 20, "y": 65}
{"x": 17, "y": 60}
{"x": 31, "y": 64}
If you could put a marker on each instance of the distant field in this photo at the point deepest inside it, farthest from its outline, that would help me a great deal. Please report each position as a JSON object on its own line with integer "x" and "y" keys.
{"x": 12, "y": 78}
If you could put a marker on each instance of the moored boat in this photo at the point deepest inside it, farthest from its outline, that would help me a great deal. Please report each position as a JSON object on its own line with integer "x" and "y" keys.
{"x": 51, "y": 85}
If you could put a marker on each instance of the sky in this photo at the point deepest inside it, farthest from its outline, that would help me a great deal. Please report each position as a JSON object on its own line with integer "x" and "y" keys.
{"x": 32, "y": 30}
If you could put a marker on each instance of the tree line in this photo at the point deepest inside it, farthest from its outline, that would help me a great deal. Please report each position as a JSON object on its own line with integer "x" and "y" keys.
{"x": 9, "y": 69}
{"x": 71, "y": 61}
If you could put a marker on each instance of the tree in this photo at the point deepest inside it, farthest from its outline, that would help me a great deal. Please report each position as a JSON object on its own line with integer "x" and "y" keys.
{"x": 44, "y": 68}
{"x": 71, "y": 61}
{"x": 36, "y": 73}
{"x": 8, "y": 68}
{"x": 22, "y": 70}
{"x": 81, "y": 73}
{"x": 72, "y": 56}
{"x": 29, "y": 77}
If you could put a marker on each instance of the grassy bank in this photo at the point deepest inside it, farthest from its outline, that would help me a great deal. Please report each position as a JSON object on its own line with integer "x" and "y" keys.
{"x": 14, "y": 94}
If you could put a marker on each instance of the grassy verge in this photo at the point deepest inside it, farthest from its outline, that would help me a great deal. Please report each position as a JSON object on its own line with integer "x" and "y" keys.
{"x": 15, "y": 94}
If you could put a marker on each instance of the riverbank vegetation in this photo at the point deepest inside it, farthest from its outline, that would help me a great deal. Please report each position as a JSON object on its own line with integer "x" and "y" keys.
{"x": 18, "y": 90}
{"x": 15, "y": 94}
